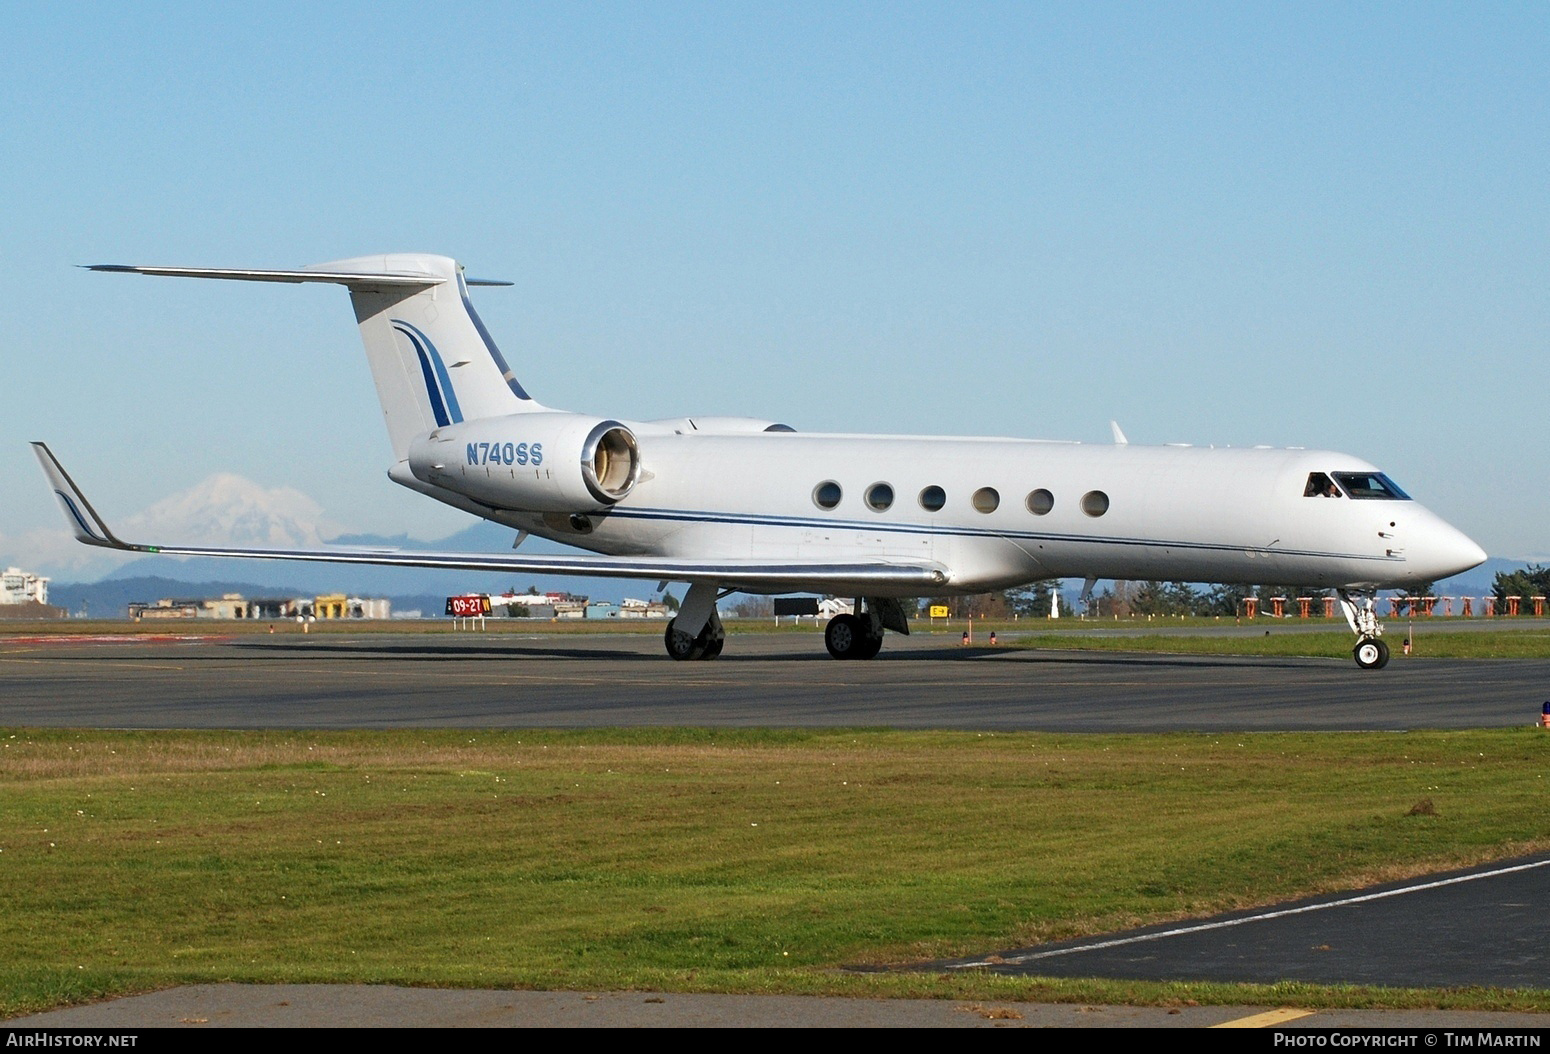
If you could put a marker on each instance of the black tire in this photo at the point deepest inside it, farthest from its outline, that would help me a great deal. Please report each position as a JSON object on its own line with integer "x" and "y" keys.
{"x": 870, "y": 646}
{"x": 713, "y": 648}
{"x": 844, "y": 636}
{"x": 1371, "y": 653}
{"x": 680, "y": 646}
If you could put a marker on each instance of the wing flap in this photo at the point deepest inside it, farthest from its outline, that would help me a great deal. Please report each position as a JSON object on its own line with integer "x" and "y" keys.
{"x": 754, "y": 575}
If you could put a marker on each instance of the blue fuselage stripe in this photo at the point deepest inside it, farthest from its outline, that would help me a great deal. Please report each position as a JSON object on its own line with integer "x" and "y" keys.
{"x": 685, "y": 516}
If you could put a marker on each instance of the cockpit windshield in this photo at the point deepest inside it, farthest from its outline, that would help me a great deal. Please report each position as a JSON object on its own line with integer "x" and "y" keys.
{"x": 1320, "y": 486}
{"x": 1370, "y": 485}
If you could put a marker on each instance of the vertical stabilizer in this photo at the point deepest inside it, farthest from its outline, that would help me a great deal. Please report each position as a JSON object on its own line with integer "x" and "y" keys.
{"x": 431, "y": 357}
{"x": 433, "y": 361}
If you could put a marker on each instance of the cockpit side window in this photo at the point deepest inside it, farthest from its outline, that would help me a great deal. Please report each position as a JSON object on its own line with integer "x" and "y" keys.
{"x": 1370, "y": 485}
{"x": 1320, "y": 486}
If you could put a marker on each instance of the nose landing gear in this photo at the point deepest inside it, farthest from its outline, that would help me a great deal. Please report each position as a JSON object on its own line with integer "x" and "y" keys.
{"x": 1361, "y": 615}
{"x": 1371, "y": 653}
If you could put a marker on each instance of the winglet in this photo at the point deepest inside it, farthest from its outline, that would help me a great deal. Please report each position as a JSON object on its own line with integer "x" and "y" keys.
{"x": 1119, "y": 436}
{"x": 84, "y": 522}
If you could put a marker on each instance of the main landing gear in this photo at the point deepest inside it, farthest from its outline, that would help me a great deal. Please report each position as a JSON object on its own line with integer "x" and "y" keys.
{"x": 696, "y": 632}
{"x": 860, "y": 636}
{"x": 1361, "y": 615}
{"x": 853, "y": 637}
{"x": 706, "y": 644}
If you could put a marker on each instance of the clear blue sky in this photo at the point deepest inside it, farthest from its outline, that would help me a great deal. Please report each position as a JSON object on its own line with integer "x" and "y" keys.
{"x": 1235, "y": 224}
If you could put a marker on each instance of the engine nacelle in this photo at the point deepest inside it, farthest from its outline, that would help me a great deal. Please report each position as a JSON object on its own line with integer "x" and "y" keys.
{"x": 538, "y": 462}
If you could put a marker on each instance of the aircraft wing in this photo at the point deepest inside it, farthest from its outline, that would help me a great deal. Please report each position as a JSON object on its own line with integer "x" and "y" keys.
{"x": 751, "y": 575}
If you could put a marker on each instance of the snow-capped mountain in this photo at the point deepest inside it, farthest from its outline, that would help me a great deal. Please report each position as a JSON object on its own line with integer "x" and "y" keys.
{"x": 228, "y": 509}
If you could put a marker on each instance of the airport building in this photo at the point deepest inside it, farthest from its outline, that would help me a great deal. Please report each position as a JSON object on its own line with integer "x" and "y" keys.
{"x": 550, "y": 606}
{"x": 541, "y": 605}
{"x": 632, "y": 608}
{"x": 24, "y": 595}
{"x": 236, "y": 606}
{"x": 22, "y": 587}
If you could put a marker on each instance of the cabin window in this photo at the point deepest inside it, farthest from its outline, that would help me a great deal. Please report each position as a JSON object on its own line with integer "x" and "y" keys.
{"x": 933, "y": 498}
{"x": 1320, "y": 486}
{"x": 1370, "y": 485}
{"x": 986, "y": 499}
{"x": 827, "y": 494}
{"x": 879, "y": 497}
{"x": 1095, "y": 503}
{"x": 1040, "y": 502}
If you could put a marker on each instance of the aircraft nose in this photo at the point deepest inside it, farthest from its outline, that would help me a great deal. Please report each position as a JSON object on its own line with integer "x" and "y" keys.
{"x": 1446, "y": 551}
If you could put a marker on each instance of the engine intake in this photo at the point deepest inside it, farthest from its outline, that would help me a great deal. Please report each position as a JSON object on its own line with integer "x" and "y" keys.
{"x": 610, "y": 461}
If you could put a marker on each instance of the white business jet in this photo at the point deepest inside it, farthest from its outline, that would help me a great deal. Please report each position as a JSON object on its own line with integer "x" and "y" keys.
{"x": 734, "y": 504}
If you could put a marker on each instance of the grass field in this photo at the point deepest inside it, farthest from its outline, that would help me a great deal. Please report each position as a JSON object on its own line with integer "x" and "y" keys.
{"x": 699, "y": 860}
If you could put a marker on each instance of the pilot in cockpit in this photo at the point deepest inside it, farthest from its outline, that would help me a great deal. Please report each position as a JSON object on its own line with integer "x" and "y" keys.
{"x": 1320, "y": 486}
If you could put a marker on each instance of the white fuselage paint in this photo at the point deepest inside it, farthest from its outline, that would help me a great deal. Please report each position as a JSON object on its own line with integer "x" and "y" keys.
{"x": 1178, "y": 513}
{"x": 728, "y": 503}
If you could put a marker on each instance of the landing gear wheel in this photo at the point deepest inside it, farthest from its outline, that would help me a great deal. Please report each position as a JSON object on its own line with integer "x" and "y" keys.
{"x": 844, "y": 636}
{"x": 1371, "y": 653}
{"x": 869, "y": 647}
{"x": 681, "y": 646}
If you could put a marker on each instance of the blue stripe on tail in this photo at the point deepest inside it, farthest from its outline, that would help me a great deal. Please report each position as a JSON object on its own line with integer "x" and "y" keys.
{"x": 438, "y": 385}
{"x": 489, "y": 342}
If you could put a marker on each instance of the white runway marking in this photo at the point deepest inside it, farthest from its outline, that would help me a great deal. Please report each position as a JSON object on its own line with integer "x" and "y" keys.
{"x": 1015, "y": 960}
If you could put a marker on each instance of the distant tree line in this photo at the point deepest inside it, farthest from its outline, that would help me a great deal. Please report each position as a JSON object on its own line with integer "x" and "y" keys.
{"x": 1132, "y": 599}
{"x": 1124, "y": 600}
{"x": 1532, "y": 581}
{"x": 1128, "y": 599}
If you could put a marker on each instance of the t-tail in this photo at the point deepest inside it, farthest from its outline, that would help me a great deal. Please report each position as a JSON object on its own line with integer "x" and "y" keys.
{"x": 433, "y": 361}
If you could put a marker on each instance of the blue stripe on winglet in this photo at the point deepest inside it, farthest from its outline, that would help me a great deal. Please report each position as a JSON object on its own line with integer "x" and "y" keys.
{"x": 75, "y": 514}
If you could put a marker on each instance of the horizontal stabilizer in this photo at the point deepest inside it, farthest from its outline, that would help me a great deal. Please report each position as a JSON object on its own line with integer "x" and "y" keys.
{"x": 346, "y": 278}
{"x": 431, "y": 357}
